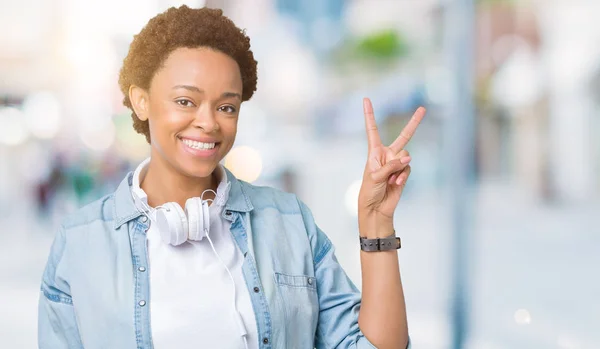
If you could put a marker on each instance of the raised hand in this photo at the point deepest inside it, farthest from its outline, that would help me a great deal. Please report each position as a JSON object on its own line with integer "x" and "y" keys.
{"x": 386, "y": 172}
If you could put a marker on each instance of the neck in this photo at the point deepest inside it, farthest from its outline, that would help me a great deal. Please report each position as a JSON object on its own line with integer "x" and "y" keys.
{"x": 163, "y": 183}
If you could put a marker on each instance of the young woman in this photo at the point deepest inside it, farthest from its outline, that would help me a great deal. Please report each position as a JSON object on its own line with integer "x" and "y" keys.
{"x": 184, "y": 255}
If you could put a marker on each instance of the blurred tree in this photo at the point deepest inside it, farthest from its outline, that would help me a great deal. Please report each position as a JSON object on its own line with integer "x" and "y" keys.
{"x": 387, "y": 44}
{"x": 380, "y": 51}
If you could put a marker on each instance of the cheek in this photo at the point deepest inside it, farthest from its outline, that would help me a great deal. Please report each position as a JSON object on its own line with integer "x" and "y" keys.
{"x": 229, "y": 129}
{"x": 229, "y": 132}
{"x": 165, "y": 122}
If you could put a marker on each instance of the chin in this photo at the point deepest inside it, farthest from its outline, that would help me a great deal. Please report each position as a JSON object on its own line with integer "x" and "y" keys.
{"x": 197, "y": 169}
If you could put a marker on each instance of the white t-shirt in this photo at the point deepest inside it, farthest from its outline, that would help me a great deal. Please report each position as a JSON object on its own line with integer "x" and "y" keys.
{"x": 191, "y": 294}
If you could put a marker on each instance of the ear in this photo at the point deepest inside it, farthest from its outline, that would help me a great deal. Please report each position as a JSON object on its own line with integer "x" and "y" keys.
{"x": 139, "y": 101}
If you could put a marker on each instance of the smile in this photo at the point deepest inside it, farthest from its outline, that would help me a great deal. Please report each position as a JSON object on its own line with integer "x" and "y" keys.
{"x": 198, "y": 145}
{"x": 199, "y": 149}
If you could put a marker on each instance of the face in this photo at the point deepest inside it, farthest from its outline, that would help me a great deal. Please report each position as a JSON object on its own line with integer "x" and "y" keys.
{"x": 192, "y": 107}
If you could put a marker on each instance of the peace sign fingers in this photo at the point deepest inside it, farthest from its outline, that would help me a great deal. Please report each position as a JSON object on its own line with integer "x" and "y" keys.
{"x": 371, "y": 125}
{"x": 408, "y": 131}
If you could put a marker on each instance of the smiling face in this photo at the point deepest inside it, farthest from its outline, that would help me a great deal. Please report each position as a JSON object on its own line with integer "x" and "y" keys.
{"x": 192, "y": 107}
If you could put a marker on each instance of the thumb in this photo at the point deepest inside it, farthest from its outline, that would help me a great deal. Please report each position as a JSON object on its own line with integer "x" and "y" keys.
{"x": 391, "y": 167}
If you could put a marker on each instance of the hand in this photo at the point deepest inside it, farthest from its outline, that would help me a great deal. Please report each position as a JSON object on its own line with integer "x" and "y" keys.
{"x": 385, "y": 175}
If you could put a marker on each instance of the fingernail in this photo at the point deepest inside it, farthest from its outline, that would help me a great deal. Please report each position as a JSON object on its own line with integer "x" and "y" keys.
{"x": 400, "y": 181}
{"x": 405, "y": 160}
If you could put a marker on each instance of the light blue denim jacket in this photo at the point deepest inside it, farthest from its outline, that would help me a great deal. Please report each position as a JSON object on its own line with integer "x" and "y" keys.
{"x": 95, "y": 289}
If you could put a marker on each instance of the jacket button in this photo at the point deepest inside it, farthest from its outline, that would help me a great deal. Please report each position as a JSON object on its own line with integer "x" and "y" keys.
{"x": 310, "y": 281}
{"x": 228, "y": 213}
{"x": 256, "y": 289}
{"x": 142, "y": 303}
{"x": 142, "y": 269}
{"x": 144, "y": 219}
{"x": 266, "y": 340}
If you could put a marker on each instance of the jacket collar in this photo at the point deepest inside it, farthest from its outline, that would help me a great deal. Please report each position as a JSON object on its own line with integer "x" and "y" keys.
{"x": 125, "y": 209}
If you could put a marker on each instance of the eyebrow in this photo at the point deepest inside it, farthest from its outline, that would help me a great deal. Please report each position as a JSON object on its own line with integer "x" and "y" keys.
{"x": 197, "y": 90}
{"x": 231, "y": 95}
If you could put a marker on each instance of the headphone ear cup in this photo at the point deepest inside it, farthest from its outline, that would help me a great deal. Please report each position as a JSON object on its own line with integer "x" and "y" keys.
{"x": 172, "y": 223}
{"x": 193, "y": 208}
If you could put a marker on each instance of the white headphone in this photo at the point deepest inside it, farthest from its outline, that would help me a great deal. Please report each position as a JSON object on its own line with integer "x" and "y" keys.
{"x": 175, "y": 225}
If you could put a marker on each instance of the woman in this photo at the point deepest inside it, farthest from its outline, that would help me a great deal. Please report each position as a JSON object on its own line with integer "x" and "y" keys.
{"x": 184, "y": 255}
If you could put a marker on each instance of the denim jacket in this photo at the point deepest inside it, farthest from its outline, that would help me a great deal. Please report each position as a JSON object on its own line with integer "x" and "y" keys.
{"x": 95, "y": 287}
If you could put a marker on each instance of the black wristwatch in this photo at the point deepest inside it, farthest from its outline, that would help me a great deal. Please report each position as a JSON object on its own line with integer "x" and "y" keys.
{"x": 380, "y": 244}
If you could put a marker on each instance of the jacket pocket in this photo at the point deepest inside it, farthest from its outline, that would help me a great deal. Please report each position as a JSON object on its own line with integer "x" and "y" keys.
{"x": 300, "y": 281}
{"x": 300, "y": 305}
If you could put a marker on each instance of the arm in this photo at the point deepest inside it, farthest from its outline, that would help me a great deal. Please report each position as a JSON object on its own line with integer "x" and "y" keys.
{"x": 382, "y": 316}
{"x": 339, "y": 299}
{"x": 57, "y": 325}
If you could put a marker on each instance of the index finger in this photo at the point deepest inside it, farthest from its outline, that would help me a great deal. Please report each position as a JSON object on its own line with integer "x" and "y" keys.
{"x": 408, "y": 131}
{"x": 370, "y": 124}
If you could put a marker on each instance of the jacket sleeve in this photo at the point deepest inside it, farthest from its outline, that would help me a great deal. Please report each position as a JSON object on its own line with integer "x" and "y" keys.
{"x": 57, "y": 324}
{"x": 339, "y": 299}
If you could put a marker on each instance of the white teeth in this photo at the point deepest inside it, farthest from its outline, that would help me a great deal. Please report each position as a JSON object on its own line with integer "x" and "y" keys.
{"x": 198, "y": 145}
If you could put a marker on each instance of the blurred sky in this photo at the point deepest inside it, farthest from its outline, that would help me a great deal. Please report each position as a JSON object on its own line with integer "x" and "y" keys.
{"x": 533, "y": 238}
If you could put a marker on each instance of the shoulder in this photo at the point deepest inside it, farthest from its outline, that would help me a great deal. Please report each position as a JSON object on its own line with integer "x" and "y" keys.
{"x": 74, "y": 225}
{"x": 289, "y": 208}
{"x": 265, "y": 197}
{"x": 98, "y": 210}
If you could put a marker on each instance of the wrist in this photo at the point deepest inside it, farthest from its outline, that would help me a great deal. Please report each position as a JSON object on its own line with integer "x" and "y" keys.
{"x": 374, "y": 225}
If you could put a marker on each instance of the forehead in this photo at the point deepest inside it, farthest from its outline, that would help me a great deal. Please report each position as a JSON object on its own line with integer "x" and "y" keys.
{"x": 205, "y": 68}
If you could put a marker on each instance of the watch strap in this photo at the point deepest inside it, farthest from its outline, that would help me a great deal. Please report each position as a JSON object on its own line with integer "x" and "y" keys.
{"x": 380, "y": 244}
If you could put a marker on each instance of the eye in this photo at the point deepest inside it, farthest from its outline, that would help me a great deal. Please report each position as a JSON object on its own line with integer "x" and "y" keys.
{"x": 227, "y": 109}
{"x": 185, "y": 103}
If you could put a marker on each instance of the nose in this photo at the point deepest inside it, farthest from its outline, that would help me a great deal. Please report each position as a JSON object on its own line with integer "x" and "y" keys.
{"x": 205, "y": 119}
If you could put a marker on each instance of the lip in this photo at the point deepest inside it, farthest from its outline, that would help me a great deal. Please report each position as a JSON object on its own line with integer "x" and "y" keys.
{"x": 201, "y": 153}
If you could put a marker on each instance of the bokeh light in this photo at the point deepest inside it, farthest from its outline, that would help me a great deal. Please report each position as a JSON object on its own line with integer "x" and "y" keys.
{"x": 522, "y": 317}
{"x": 245, "y": 163}
{"x": 351, "y": 197}
{"x": 12, "y": 130}
{"x": 42, "y": 112}
{"x": 98, "y": 138}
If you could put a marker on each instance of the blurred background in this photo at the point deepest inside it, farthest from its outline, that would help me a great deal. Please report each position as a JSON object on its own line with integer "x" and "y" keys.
{"x": 499, "y": 220}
